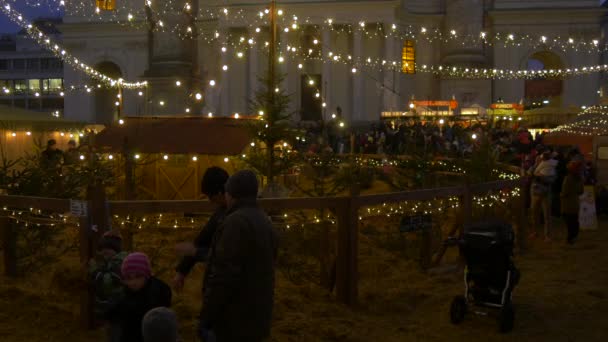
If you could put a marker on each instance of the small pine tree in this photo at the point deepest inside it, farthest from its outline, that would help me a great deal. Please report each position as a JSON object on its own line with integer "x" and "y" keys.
{"x": 273, "y": 128}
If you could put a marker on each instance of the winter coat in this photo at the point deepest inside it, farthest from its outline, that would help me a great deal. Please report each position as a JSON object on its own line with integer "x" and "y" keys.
{"x": 106, "y": 279}
{"x": 203, "y": 242}
{"x": 130, "y": 311}
{"x": 239, "y": 291}
{"x": 572, "y": 189}
{"x": 546, "y": 168}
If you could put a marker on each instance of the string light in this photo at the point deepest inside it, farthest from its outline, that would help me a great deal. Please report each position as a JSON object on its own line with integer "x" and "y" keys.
{"x": 42, "y": 39}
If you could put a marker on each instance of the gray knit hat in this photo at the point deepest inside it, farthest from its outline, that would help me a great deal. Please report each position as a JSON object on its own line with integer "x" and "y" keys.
{"x": 242, "y": 184}
{"x": 160, "y": 325}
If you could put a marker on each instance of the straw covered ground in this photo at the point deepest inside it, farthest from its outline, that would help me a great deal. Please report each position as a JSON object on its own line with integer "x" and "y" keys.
{"x": 563, "y": 296}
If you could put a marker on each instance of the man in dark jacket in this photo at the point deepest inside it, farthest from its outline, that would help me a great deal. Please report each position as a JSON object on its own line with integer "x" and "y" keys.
{"x": 51, "y": 157}
{"x": 212, "y": 185}
{"x": 239, "y": 291}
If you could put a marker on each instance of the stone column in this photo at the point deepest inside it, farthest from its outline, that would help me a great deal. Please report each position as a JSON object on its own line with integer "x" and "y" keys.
{"x": 326, "y": 75}
{"x": 172, "y": 59}
{"x": 254, "y": 72}
{"x": 225, "y": 78}
{"x": 390, "y": 77}
{"x": 358, "y": 79}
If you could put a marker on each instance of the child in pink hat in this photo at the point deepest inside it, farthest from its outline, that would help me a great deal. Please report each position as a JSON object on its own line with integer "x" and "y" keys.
{"x": 143, "y": 292}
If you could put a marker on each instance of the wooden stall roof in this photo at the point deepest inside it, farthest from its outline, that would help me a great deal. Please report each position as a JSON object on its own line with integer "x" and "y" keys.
{"x": 176, "y": 135}
{"x": 23, "y": 119}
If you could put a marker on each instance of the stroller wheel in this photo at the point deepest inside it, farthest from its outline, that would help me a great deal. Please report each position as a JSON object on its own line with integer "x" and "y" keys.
{"x": 458, "y": 309}
{"x": 506, "y": 319}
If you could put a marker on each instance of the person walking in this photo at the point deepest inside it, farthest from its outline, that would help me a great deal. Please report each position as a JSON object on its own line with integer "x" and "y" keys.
{"x": 543, "y": 176}
{"x": 239, "y": 290}
{"x": 572, "y": 189}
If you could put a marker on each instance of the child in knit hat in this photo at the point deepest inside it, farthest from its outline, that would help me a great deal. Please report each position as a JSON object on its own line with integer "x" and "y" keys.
{"x": 143, "y": 292}
{"x": 105, "y": 273}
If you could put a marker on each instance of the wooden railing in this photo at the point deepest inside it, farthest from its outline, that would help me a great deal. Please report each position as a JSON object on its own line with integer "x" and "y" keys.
{"x": 346, "y": 209}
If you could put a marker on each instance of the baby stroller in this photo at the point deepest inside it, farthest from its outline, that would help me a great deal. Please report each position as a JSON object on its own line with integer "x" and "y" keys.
{"x": 490, "y": 275}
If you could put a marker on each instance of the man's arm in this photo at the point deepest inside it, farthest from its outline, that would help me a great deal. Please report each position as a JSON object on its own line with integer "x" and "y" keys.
{"x": 202, "y": 244}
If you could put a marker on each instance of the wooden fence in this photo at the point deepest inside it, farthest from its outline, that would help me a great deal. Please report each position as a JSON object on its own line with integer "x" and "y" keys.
{"x": 346, "y": 209}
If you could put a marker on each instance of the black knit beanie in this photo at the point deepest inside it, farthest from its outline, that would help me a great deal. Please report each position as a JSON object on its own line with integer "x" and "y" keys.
{"x": 112, "y": 242}
{"x": 243, "y": 184}
{"x": 214, "y": 181}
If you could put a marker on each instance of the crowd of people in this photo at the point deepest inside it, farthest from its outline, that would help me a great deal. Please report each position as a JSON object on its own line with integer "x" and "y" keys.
{"x": 239, "y": 247}
{"x": 555, "y": 183}
{"x": 439, "y": 137}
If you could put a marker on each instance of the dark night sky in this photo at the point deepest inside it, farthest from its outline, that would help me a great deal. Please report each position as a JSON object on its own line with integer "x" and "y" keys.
{"x": 30, "y": 13}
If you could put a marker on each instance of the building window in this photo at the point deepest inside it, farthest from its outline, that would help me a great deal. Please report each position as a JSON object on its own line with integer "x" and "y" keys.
{"x": 106, "y": 5}
{"x": 408, "y": 57}
{"x": 20, "y": 86}
{"x": 6, "y": 84}
{"x": 19, "y": 64}
{"x": 52, "y": 85}
{"x": 33, "y": 64}
{"x": 51, "y": 64}
{"x": 33, "y": 86}
{"x": 3, "y": 64}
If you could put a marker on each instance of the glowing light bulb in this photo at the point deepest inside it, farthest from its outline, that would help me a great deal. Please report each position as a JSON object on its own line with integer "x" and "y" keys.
{"x": 280, "y": 12}
{"x": 212, "y": 83}
{"x": 162, "y": 103}
{"x": 198, "y": 96}
{"x": 178, "y": 83}
{"x": 236, "y": 115}
{"x": 195, "y": 158}
{"x": 210, "y": 115}
{"x": 166, "y": 157}
{"x": 110, "y": 157}
{"x": 239, "y": 55}
{"x": 225, "y": 160}
{"x": 121, "y": 121}
{"x": 28, "y": 133}
{"x": 300, "y": 66}
{"x": 137, "y": 156}
{"x": 225, "y": 68}
{"x": 354, "y": 70}
{"x": 82, "y": 157}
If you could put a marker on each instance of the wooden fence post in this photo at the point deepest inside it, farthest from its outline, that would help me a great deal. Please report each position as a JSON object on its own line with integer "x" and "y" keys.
{"x": 466, "y": 207}
{"x": 92, "y": 226}
{"x": 9, "y": 240}
{"x": 347, "y": 277}
{"x": 130, "y": 193}
{"x": 324, "y": 257}
{"x": 425, "y": 249}
{"x": 522, "y": 219}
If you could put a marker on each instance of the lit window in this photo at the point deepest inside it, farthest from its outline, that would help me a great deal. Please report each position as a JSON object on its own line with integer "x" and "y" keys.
{"x": 106, "y": 5}
{"x": 408, "y": 57}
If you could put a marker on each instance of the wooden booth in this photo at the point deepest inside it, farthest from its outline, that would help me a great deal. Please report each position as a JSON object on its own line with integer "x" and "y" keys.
{"x": 24, "y": 132}
{"x": 164, "y": 158}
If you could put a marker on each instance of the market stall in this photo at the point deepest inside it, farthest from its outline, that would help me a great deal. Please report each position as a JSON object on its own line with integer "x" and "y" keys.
{"x": 589, "y": 132}
{"x": 23, "y": 131}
